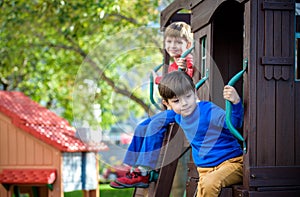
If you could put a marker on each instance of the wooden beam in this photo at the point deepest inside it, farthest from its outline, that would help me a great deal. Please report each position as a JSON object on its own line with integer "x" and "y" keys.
{"x": 169, "y": 11}
{"x": 276, "y": 60}
{"x": 269, "y": 176}
{"x": 278, "y": 6}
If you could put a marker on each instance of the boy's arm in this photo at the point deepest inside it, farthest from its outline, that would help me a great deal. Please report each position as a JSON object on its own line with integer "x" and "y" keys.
{"x": 157, "y": 79}
{"x": 189, "y": 65}
{"x": 190, "y": 72}
{"x": 162, "y": 119}
{"x": 218, "y": 116}
{"x": 237, "y": 114}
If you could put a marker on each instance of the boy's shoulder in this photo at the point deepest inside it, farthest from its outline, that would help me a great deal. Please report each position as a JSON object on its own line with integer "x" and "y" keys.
{"x": 205, "y": 105}
{"x": 203, "y": 102}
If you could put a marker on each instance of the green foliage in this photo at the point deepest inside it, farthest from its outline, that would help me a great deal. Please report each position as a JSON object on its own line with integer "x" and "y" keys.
{"x": 50, "y": 48}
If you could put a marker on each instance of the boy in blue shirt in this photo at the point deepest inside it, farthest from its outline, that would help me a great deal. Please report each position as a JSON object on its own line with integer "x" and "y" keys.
{"x": 216, "y": 152}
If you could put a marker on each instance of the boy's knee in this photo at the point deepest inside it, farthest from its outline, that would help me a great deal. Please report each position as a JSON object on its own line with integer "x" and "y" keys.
{"x": 211, "y": 185}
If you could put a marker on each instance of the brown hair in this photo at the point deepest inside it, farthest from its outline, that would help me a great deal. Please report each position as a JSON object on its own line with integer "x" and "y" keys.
{"x": 179, "y": 29}
{"x": 175, "y": 84}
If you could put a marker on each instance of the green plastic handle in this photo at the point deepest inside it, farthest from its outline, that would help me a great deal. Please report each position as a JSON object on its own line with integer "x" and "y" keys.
{"x": 228, "y": 106}
{"x": 202, "y": 81}
{"x": 183, "y": 55}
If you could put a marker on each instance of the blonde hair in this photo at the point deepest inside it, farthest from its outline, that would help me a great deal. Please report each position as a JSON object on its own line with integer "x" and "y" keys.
{"x": 179, "y": 29}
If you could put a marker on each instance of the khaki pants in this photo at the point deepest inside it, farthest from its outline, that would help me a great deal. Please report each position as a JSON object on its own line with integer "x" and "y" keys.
{"x": 213, "y": 179}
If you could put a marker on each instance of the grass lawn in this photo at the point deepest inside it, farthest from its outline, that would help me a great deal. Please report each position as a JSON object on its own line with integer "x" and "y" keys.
{"x": 105, "y": 191}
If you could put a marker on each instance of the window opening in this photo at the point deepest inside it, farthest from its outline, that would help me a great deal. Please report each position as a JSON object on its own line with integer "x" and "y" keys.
{"x": 203, "y": 56}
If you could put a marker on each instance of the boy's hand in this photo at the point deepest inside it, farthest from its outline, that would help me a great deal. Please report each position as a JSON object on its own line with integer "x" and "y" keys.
{"x": 230, "y": 94}
{"x": 181, "y": 62}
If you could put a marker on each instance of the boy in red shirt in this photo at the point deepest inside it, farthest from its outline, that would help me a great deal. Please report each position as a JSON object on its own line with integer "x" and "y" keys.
{"x": 178, "y": 39}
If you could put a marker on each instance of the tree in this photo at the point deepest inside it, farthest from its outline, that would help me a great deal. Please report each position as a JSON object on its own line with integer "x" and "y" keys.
{"x": 55, "y": 50}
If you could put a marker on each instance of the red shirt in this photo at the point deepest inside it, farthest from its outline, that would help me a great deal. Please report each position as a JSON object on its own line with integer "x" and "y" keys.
{"x": 174, "y": 67}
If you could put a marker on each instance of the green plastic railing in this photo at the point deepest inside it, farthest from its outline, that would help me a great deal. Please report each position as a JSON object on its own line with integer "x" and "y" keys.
{"x": 183, "y": 55}
{"x": 152, "y": 84}
{"x": 232, "y": 129}
{"x": 202, "y": 80}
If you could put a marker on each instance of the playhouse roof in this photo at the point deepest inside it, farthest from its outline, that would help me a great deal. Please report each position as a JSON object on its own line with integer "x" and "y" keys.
{"x": 28, "y": 176}
{"x": 42, "y": 123}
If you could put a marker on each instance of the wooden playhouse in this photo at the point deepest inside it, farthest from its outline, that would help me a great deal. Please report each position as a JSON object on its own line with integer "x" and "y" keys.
{"x": 39, "y": 152}
{"x": 262, "y": 37}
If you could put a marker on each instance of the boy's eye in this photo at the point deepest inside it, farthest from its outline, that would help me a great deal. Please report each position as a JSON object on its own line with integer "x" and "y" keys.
{"x": 175, "y": 100}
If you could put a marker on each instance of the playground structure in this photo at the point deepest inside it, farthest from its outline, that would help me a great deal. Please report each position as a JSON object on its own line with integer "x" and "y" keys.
{"x": 259, "y": 38}
{"x": 40, "y": 155}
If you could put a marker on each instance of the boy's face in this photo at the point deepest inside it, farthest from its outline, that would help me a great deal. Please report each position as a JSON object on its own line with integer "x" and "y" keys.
{"x": 184, "y": 104}
{"x": 175, "y": 46}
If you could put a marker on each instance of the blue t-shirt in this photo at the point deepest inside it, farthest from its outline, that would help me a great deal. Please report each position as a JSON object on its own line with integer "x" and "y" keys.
{"x": 206, "y": 130}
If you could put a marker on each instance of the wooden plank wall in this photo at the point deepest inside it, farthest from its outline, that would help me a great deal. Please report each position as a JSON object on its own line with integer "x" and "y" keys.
{"x": 275, "y": 109}
{"x": 272, "y": 120}
{"x": 273, "y": 139}
{"x": 19, "y": 149}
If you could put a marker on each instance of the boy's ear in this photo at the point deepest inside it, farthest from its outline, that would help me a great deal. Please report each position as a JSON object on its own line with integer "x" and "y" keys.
{"x": 166, "y": 104}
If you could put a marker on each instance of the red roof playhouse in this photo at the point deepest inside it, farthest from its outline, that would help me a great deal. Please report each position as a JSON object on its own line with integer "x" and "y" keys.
{"x": 39, "y": 152}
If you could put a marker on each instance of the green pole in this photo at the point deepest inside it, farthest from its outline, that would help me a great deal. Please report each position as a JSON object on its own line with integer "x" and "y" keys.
{"x": 228, "y": 106}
